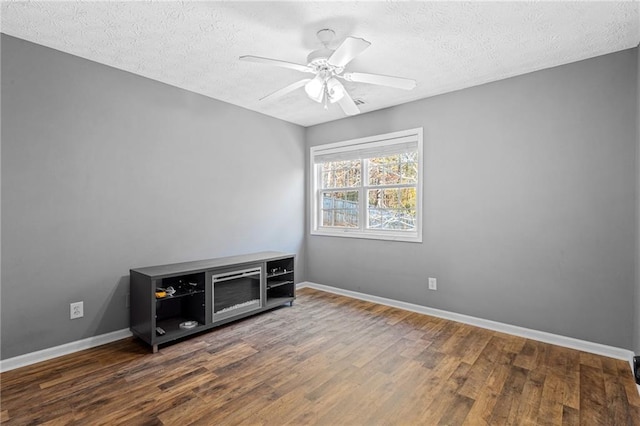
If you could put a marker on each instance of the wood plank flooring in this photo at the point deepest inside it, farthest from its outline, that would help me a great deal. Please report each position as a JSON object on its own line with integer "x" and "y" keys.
{"x": 327, "y": 360}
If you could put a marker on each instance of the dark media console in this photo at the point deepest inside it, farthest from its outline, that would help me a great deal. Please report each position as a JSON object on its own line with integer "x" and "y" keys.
{"x": 169, "y": 302}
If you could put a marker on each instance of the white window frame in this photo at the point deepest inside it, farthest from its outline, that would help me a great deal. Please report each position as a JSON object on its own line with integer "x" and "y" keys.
{"x": 315, "y": 178}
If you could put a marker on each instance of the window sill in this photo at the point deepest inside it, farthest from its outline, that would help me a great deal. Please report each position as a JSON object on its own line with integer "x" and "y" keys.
{"x": 370, "y": 235}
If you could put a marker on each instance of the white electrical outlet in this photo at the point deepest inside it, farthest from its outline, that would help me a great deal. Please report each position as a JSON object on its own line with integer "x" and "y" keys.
{"x": 77, "y": 310}
{"x": 433, "y": 284}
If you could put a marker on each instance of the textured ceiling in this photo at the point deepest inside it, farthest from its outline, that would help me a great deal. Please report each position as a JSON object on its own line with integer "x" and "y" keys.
{"x": 444, "y": 46}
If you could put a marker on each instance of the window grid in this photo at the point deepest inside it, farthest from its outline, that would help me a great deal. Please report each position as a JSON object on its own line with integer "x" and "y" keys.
{"x": 364, "y": 208}
{"x": 396, "y": 214}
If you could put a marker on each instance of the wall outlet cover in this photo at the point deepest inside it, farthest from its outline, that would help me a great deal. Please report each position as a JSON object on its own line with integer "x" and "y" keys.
{"x": 76, "y": 310}
{"x": 433, "y": 284}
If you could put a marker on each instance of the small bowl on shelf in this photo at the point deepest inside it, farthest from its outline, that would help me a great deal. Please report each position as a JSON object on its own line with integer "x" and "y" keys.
{"x": 188, "y": 325}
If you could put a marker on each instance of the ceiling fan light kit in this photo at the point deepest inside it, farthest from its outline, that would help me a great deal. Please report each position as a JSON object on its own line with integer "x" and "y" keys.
{"x": 315, "y": 88}
{"x": 335, "y": 90}
{"x": 328, "y": 66}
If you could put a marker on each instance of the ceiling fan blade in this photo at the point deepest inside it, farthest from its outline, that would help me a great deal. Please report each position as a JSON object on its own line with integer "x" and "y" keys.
{"x": 381, "y": 80}
{"x": 348, "y": 106}
{"x": 285, "y": 90}
{"x": 349, "y": 49}
{"x": 276, "y": 62}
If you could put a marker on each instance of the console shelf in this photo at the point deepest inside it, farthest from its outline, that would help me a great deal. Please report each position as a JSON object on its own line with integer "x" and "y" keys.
{"x": 177, "y": 295}
{"x": 209, "y": 292}
{"x": 173, "y": 330}
{"x": 278, "y": 274}
{"x": 273, "y": 284}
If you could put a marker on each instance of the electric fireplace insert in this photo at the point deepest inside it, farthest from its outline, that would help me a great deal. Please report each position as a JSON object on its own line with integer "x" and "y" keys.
{"x": 236, "y": 292}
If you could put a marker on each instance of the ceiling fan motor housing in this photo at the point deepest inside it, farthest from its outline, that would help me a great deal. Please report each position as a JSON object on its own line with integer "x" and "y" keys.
{"x": 318, "y": 58}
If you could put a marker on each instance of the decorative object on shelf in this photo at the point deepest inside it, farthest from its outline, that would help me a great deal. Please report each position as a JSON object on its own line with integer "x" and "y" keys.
{"x": 160, "y": 293}
{"x": 188, "y": 325}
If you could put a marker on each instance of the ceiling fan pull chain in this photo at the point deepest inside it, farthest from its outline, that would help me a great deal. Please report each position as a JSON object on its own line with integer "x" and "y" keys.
{"x": 326, "y": 95}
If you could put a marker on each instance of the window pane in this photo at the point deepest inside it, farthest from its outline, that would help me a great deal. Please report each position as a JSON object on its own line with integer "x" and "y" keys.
{"x": 340, "y": 209}
{"x": 392, "y": 208}
{"x": 409, "y": 171}
{"x": 341, "y": 174}
{"x": 400, "y": 168}
{"x": 384, "y": 170}
{"x": 400, "y": 198}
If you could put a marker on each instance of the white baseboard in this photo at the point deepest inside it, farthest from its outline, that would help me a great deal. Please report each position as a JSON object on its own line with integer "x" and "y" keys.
{"x": 67, "y": 348}
{"x": 542, "y": 336}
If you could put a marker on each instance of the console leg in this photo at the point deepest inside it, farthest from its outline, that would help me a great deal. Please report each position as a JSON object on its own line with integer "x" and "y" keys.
{"x": 155, "y": 349}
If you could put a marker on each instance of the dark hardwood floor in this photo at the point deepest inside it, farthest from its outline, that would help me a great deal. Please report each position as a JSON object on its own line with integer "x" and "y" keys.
{"x": 327, "y": 360}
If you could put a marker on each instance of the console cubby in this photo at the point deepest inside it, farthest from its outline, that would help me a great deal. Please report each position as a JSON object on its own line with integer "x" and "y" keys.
{"x": 280, "y": 287}
{"x": 185, "y": 303}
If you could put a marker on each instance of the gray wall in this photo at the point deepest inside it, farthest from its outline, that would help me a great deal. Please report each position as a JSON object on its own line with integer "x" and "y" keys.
{"x": 103, "y": 170}
{"x": 529, "y": 207}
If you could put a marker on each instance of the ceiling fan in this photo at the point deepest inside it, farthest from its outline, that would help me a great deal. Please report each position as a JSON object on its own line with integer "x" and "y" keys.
{"x": 328, "y": 66}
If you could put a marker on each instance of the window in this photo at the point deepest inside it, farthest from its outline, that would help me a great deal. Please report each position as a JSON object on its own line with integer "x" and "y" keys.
{"x": 369, "y": 187}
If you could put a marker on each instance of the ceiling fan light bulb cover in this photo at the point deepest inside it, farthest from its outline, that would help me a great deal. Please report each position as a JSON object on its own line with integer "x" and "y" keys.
{"x": 335, "y": 90}
{"x": 314, "y": 88}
